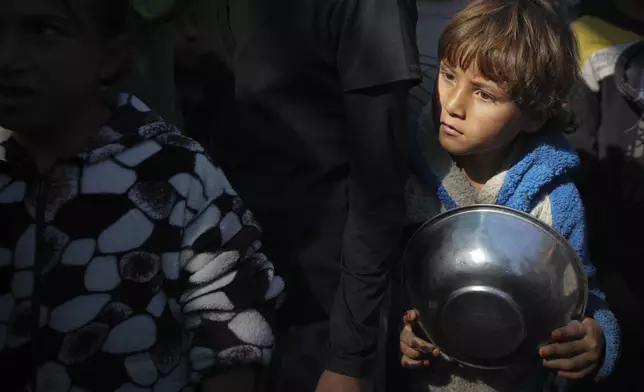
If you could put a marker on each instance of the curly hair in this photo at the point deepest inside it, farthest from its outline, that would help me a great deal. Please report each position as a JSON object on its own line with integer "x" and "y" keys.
{"x": 524, "y": 46}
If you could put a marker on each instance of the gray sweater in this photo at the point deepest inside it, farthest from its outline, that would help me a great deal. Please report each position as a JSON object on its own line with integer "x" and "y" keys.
{"x": 445, "y": 376}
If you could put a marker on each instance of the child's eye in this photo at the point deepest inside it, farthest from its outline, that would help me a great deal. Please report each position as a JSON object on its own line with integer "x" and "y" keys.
{"x": 486, "y": 97}
{"x": 447, "y": 76}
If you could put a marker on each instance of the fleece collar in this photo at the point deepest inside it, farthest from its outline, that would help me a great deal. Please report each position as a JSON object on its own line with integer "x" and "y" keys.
{"x": 535, "y": 162}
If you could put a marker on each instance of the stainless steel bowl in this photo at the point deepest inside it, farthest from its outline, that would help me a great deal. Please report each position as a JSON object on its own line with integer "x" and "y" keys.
{"x": 491, "y": 283}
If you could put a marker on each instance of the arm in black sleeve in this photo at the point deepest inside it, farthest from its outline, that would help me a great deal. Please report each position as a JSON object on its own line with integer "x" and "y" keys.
{"x": 376, "y": 43}
{"x": 377, "y": 62}
{"x": 585, "y": 105}
{"x": 375, "y": 224}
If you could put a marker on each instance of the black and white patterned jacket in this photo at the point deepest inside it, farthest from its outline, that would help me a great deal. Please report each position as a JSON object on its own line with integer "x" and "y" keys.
{"x": 131, "y": 267}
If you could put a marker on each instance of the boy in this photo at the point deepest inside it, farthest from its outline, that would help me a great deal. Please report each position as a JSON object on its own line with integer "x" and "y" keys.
{"x": 127, "y": 262}
{"x": 494, "y": 135}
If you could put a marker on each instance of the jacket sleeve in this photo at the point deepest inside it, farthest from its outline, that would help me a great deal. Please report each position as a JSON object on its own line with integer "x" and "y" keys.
{"x": 585, "y": 105}
{"x": 568, "y": 218}
{"x": 374, "y": 227}
{"x": 228, "y": 283}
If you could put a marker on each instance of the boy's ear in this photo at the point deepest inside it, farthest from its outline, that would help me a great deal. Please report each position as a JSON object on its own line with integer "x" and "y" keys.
{"x": 116, "y": 58}
{"x": 534, "y": 121}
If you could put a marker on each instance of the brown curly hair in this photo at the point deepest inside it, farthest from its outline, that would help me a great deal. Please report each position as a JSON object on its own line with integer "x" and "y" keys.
{"x": 524, "y": 46}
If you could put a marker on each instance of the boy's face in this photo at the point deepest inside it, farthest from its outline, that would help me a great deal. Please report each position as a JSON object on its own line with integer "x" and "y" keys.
{"x": 48, "y": 64}
{"x": 476, "y": 115}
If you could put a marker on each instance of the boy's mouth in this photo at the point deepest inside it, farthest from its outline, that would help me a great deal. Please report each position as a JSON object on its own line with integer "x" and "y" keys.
{"x": 451, "y": 129}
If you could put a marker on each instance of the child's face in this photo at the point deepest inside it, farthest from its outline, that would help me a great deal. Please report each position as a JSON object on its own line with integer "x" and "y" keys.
{"x": 476, "y": 115}
{"x": 48, "y": 64}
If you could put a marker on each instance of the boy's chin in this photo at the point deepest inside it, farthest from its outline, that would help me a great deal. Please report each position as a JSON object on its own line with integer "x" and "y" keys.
{"x": 454, "y": 148}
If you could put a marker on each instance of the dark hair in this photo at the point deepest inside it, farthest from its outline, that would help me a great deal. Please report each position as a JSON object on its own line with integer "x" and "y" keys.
{"x": 525, "y": 46}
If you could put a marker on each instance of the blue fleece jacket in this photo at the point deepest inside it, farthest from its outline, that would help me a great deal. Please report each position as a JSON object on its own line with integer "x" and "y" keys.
{"x": 537, "y": 171}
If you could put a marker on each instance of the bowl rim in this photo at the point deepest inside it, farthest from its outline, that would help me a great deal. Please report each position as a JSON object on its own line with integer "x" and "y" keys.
{"x": 495, "y": 208}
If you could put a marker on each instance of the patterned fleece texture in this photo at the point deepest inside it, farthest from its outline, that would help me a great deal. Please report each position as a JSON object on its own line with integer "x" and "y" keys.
{"x": 133, "y": 266}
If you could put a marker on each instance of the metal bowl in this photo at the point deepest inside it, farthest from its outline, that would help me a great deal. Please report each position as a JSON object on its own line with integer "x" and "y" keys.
{"x": 491, "y": 283}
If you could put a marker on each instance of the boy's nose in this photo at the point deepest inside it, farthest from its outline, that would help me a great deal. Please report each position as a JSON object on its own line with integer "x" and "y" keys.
{"x": 456, "y": 103}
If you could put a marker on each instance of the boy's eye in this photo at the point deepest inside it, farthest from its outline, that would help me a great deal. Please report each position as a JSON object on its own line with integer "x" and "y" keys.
{"x": 486, "y": 97}
{"x": 447, "y": 76}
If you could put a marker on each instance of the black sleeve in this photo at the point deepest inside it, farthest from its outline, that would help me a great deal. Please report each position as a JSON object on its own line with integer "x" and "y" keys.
{"x": 375, "y": 224}
{"x": 376, "y": 42}
{"x": 377, "y": 62}
{"x": 586, "y": 109}
{"x": 585, "y": 105}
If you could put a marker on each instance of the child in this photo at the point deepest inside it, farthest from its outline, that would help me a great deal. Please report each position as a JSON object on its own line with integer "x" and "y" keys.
{"x": 494, "y": 135}
{"x": 127, "y": 262}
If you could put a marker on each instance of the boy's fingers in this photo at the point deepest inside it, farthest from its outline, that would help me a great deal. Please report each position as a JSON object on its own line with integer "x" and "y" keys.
{"x": 424, "y": 352}
{"x": 411, "y": 342}
{"x": 573, "y": 331}
{"x": 571, "y": 365}
{"x": 425, "y": 347}
{"x": 576, "y": 375}
{"x": 563, "y": 350}
{"x": 409, "y": 352}
{"x": 422, "y": 346}
{"x": 409, "y": 363}
{"x": 419, "y": 346}
{"x": 409, "y": 317}
{"x": 407, "y": 335}
{"x": 567, "y": 364}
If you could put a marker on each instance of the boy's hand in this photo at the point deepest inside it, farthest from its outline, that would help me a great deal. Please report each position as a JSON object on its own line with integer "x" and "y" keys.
{"x": 577, "y": 350}
{"x": 415, "y": 351}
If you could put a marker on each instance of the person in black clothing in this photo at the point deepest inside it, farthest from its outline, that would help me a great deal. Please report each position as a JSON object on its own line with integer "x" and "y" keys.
{"x": 609, "y": 108}
{"x": 321, "y": 91}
